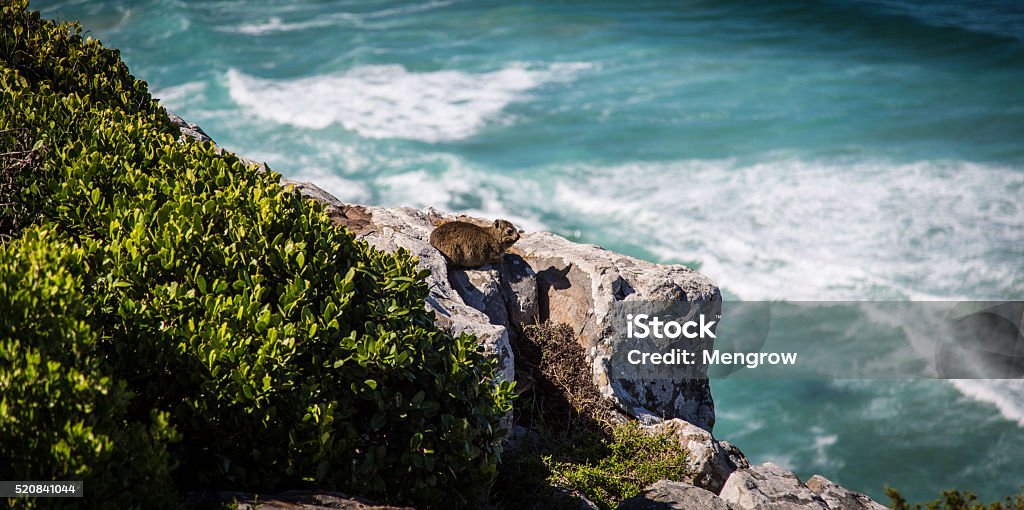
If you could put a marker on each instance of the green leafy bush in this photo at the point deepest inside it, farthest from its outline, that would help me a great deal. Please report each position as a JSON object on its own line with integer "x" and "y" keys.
{"x": 955, "y": 500}
{"x": 635, "y": 460}
{"x": 62, "y": 417}
{"x": 258, "y": 345}
{"x": 58, "y": 55}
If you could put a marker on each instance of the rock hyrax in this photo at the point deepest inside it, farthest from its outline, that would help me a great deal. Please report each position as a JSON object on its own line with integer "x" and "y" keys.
{"x": 467, "y": 245}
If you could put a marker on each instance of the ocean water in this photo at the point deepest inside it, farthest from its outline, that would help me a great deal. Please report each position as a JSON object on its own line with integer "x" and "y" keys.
{"x": 790, "y": 150}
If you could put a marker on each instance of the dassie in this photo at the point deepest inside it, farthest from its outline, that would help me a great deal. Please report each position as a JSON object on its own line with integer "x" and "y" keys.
{"x": 464, "y": 244}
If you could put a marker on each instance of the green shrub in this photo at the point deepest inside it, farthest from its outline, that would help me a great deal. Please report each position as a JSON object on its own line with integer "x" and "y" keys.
{"x": 58, "y": 55}
{"x": 635, "y": 460}
{"x": 274, "y": 349}
{"x": 955, "y": 500}
{"x": 62, "y": 417}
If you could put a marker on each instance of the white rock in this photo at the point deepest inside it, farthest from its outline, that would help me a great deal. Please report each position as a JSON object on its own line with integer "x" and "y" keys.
{"x": 666, "y": 495}
{"x": 709, "y": 462}
{"x": 769, "y": 487}
{"x": 839, "y": 498}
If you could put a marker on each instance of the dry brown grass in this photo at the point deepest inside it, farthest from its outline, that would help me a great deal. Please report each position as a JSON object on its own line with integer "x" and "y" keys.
{"x": 560, "y": 396}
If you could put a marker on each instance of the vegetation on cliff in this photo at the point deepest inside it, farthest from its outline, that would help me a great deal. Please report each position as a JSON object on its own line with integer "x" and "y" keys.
{"x": 174, "y": 320}
{"x": 577, "y": 442}
{"x": 955, "y": 500}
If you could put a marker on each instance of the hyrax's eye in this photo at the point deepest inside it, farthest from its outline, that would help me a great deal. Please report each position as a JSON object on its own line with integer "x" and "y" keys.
{"x": 508, "y": 231}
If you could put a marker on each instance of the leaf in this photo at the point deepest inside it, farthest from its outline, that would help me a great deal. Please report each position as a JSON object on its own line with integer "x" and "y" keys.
{"x": 377, "y": 421}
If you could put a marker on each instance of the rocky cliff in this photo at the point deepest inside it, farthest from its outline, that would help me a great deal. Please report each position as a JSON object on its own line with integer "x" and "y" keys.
{"x": 546, "y": 277}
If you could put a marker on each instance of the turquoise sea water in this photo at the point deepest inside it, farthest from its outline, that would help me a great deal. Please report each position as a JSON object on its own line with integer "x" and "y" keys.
{"x": 860, "y": 150}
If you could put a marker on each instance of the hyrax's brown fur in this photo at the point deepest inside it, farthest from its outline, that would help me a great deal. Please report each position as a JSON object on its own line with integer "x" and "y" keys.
{"x": 467, "y": 245}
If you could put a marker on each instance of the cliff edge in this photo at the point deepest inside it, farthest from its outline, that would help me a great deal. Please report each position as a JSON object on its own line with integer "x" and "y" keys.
{"x": 547, "y": 278}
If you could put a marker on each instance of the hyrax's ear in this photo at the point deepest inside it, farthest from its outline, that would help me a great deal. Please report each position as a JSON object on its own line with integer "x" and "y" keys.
{"x": 497, "y": 223}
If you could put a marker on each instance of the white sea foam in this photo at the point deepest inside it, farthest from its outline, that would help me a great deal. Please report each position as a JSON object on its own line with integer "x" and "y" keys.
{"x": 794, "y": 230}
{"x": 406, "y": 10}
{"x": 1006, "y": 394}
{"x": 275, "y": 24}
{"x": 346, "y": 190}
{"x": 180, "y": 95}
{"x": 821, "y": 442}
{"x": 388, "y": 101}
{"x": 461, "y": 188}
